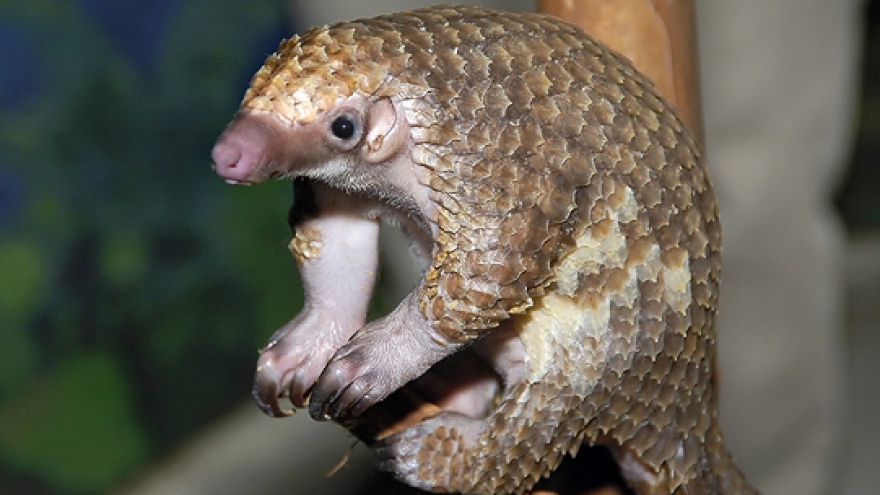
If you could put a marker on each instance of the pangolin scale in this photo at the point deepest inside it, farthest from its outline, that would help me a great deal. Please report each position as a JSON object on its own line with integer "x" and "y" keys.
{"x": 560, "y": 201}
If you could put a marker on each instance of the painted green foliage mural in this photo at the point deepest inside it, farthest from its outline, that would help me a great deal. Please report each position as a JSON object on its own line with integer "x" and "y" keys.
{"x": 135, "y": 287}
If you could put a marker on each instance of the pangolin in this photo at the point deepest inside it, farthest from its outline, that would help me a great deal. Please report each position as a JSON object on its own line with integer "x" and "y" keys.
{"x": 569, "y": 235}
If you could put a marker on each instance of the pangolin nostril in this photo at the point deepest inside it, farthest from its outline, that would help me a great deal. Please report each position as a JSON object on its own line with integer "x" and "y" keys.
{"x": 225, "y": 157}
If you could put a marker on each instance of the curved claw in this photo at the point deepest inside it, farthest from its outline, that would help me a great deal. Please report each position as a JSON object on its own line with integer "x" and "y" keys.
{"x": 268, "y": 387}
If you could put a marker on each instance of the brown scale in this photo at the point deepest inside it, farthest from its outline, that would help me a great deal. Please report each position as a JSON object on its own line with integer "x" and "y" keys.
{"x": 540, "y": 143}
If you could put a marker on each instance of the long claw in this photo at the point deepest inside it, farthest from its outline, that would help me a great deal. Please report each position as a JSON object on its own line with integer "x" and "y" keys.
{"x": 268, "y": 387}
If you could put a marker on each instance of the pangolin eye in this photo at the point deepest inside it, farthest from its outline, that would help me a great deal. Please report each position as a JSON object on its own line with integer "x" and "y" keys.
{"x": 343, "y": 127}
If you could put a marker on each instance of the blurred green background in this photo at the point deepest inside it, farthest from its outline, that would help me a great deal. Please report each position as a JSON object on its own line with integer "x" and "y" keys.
{"x": 135, "y": 286}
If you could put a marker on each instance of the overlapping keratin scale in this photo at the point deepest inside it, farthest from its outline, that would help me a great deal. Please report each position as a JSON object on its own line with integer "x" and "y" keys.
{"x": 538, "y": 142}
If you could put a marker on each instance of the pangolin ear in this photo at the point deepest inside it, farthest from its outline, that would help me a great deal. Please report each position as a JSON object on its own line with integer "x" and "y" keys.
{"x": 387, "y": 132}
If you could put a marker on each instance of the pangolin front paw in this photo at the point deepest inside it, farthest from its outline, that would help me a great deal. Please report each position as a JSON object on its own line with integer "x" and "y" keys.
{"x": 437, "y": 453}
{"x": 381, "y": 357}
{"x": 363, "y": 372}
{"x": 293, "y": 360}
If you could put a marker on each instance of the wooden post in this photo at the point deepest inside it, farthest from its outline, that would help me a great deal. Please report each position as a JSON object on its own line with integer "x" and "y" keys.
{"x": 659, "y": 36}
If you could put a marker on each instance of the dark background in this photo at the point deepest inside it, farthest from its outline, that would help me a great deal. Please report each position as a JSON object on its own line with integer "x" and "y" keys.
{"x": 135, "y": 286}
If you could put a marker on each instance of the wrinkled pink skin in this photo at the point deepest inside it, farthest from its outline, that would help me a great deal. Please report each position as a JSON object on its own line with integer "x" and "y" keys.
{"x": 328, "y": 358}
